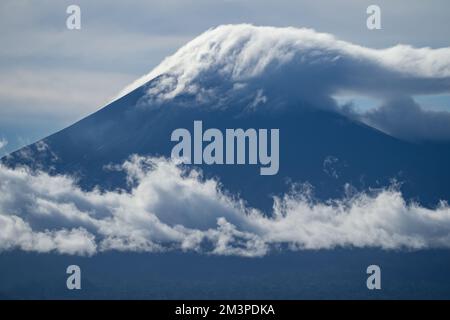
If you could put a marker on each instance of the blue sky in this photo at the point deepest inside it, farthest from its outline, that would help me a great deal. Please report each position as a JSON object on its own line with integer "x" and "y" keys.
{"x": 51, "y": 76}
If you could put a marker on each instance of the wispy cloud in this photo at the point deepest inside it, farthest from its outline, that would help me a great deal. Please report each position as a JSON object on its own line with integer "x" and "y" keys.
{"x": 3, "y": 143}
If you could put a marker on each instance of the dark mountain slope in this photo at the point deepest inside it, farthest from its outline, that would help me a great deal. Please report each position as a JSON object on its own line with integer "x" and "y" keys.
{"x": 320, "y": 147}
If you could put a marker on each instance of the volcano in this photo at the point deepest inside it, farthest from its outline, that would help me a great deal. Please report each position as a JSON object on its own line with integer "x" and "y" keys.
{"x": 339, "y": 183}
{"x": 260, "y": 77}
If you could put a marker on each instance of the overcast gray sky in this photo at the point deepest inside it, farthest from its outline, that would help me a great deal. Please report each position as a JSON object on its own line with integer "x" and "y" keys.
{"x": 51, "y": 76}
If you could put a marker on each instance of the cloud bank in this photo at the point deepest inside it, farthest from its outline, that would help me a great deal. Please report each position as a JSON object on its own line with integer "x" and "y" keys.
{"x": 171, "y": 208}
{"x": 269, "y": 68}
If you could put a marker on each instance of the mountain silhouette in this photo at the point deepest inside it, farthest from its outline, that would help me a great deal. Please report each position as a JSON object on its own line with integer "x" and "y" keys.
{"x": 363, "y": 157}
{"x": 244, "y": 77}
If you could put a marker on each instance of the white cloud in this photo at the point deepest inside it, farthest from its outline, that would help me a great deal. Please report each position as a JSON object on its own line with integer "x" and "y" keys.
{"x": 246, "y": 53}
{"x": 170, "y": 209}
{"x": 3, "y": 143}
{"x": 16, "y": 233}
{"x": 232, "y": 65}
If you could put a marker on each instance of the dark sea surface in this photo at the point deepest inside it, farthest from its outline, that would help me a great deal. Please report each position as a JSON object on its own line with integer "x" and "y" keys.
{"x": 327, "y": 274}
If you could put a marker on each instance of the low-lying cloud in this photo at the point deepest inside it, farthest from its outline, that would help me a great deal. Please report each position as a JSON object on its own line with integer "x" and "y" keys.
{"x": 171, "y": 208}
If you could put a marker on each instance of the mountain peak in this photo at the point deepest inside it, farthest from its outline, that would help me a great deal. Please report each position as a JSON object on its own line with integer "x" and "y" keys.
{"x": 232, "y": 63}
{"x": 233, "y": 77}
